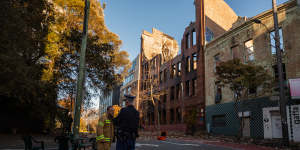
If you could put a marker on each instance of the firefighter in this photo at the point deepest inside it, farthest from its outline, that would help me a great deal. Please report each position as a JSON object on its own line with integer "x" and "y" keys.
{"x": 127, "y": 122}
{"x": 105, "y": 130}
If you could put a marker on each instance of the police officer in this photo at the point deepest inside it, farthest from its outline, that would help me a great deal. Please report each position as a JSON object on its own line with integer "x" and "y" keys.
{"x": 105, "y": 130}
{"x": 127, "y": 123}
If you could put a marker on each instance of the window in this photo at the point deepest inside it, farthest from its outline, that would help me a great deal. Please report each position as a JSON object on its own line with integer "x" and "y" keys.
{"x": 179, "y": 69}
{"x": 187, "y": 88}
{"x": 216, "y": 61}
{"x": 276, "y": 72}
{"x": 164, "y": 98}
{"x": 272, "y": 39}
{"x": 252, "y": 90}
{"x": 132, "y": 66}
{"x": 177, "y": 91}
{"x": 161, "y": 77}
{"x": 218, "y": 96}
{"x": 194, "y": 37}
{"x": 194, "y": 61}
{"x": 172, "y": 92}
{"x": 188, "y": 64}
{"x": 165, "y": 75}
{"x": 209, "y": 35}
{"x": 235, "y": 52}
{"x": 219, "y": 121}
{"x": 152, "y": 118}
{"x": 187, "y": 38}
{"x": 173, "y": 71}
{"x": 249, "y": 51}
{"x": 129, "y": 90}
{"x": 194, "y": 84}
{"x": 172, "y": 116}
{"x": 178, "y": 115}
{"x": 164, "y": 116}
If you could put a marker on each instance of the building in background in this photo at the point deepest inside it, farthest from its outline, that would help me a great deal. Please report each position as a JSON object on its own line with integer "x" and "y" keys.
{"x": 176, "y": 81}
{"x": 104, "y": 102}
{"x": 116, "y": 95}
{"x": 254, "y": 43}
{"x": 112, "y": 98}
{"x": 131, "y": 83}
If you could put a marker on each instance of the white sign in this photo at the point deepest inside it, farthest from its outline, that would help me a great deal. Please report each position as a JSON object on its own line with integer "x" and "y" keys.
{"x": 295, "y": 88}
{"x": 294, "y": 119}
{"x": 244, "y": 114}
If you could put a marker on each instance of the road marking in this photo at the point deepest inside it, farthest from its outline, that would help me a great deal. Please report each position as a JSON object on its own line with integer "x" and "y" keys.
{"x": 181, "y": 144}
{"x": 151, "y": 145}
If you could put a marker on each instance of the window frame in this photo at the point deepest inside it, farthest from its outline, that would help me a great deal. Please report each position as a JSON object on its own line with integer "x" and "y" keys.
{"x": 188, "y": 64}
{"x": 272, "y": 41}
{"x": 249, "y": 50}
{"x": 194, "y": 61}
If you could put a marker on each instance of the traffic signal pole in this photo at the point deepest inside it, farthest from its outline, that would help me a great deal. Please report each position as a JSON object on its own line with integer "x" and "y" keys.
{"x": 280, "y": 76}
{"x": 81, "y": 76}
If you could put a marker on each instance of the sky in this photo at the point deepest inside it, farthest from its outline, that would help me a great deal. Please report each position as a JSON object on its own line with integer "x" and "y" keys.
{"x": 128, "y": 18}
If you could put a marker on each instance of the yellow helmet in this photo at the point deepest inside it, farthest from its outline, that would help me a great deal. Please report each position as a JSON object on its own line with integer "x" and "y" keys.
{"x": 116, "y": 110}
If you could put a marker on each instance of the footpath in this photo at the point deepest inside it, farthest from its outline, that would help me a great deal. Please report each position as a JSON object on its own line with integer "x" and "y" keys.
{"x": 10, "y": 141}
{"x": 222, "y": 141}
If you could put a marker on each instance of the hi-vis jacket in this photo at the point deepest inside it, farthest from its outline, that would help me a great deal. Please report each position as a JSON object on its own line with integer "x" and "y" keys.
{"x": 105, "y": 129}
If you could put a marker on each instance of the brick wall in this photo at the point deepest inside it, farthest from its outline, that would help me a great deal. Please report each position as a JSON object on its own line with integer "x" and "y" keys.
{"x": 225, "y": 45}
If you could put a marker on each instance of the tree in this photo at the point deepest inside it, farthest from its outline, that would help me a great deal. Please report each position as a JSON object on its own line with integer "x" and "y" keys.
{"x": 24, "y": 27}
{"x": 152, "y": 93}
{"x": 105, "y": 63}
{"x": 191, "y": 121}
{"x": 241, "y": 78}
{"x": 40, "y": 55}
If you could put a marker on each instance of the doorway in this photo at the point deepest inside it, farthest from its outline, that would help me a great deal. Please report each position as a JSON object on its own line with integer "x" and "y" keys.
{"x": 246, "y": 127}
{"x": 276, "y": 124}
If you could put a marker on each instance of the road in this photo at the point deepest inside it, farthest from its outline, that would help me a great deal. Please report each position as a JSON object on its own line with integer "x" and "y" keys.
{"x": 172, "y": 144}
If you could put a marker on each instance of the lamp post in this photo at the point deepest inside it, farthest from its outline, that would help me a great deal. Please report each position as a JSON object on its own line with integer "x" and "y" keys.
{"x": 81, "y": 75}
{"x": 280, "y": 76}
{"x": 280, "y": 73}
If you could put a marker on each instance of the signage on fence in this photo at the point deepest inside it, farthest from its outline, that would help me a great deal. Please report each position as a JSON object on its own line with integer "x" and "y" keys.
{"x": 294, "y": 120}
{"x": 295, "y": 88}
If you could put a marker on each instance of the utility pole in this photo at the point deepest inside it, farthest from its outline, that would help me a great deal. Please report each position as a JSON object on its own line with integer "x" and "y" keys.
{"x": 81, "y": 76}
{"x": 280, "y": 76}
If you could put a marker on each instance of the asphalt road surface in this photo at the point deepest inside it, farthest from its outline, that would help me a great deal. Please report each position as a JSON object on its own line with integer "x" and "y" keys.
{"x": 172, "y": 144}
{"x": 149, "y": 144}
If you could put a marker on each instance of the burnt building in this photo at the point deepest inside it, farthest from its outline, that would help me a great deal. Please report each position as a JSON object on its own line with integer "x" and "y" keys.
{"x": 172, "y": 84}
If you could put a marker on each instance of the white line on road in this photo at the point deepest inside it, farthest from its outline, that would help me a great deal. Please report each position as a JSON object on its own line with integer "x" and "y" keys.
{"x": 181, "y": 144}
{"x": 151, "y": 145}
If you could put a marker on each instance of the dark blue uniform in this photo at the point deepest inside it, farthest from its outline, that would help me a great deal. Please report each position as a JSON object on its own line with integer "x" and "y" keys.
{"x": 127, "y": 123}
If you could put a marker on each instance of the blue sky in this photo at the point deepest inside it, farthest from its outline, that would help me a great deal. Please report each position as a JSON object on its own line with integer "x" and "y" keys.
{"x": 128, "y": 18}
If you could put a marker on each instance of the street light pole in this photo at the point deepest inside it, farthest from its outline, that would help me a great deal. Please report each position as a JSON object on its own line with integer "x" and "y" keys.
{"x": 80, "y": 79}
{"x": 280, "y": 76}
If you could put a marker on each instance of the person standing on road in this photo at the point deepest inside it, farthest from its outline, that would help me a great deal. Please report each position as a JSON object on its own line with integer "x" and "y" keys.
{"x": 127, "y": 122}
{"x": 105, "y": 130}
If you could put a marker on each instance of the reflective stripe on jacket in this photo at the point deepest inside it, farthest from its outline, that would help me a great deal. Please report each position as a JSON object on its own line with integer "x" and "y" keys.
{"x": 105, "y": 129}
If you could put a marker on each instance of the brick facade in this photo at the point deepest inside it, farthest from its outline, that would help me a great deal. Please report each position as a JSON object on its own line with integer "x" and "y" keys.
{"x": 181, "y": 90}
{"x": 233, "y": 44}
